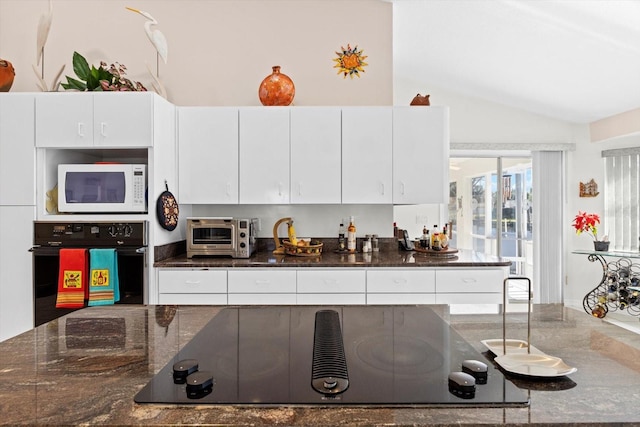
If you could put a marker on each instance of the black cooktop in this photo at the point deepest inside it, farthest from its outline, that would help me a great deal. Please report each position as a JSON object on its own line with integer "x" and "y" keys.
{"x": 395, "y": 356}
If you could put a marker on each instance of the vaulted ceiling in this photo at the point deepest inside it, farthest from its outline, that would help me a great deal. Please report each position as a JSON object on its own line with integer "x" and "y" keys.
{"x": 574, "y": 60}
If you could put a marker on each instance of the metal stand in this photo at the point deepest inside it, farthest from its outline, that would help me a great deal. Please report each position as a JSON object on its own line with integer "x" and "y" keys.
{"x": 619, "y": 287}
{"x": 504, "y": 313}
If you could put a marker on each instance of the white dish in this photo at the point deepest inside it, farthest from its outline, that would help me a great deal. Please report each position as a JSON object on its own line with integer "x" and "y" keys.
{"x": 496, "y": 347}
{"x": 534, "y": 365}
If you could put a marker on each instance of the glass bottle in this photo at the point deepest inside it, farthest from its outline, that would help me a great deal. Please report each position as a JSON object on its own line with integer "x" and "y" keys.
{"x": 351, "y": 235}
{"x": 434, "y": 234}
{"x": 342, "y": 241}
{"x": 374, "y": 243}
{"x": 425, "y": 236}
{"x": 444, "y": 238}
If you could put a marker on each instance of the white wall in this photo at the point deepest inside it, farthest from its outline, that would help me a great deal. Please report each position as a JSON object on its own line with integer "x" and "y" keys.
{"x": 219, "y": 50}
{"x": 584, "y": 164}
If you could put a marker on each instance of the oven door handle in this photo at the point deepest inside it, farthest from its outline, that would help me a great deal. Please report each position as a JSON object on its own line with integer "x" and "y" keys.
{"x": 53, "y": 250}
{"x": 132, "y": 251}
{"x": 44, "y": 250}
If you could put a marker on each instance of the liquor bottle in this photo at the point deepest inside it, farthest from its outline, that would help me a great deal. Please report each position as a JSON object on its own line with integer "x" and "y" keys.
{"x": 434, "y": 234}
{"x": 351, "y": 235}
{"x": 342, "y": 242}
{"x": 424, "y": 240}
{"x": 444, "y": 238}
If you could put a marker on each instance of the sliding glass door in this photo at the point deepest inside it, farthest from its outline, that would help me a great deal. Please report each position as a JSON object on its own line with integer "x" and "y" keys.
{"x": 493, "y": 215}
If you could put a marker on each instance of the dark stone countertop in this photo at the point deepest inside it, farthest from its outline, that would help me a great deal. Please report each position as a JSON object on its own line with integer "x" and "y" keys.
{"x": 69, "y": 372}
{"x": 386, "y": 258}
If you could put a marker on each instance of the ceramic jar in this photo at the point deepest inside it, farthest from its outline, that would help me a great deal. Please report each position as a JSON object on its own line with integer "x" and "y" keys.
{"x": 276, "y": 89}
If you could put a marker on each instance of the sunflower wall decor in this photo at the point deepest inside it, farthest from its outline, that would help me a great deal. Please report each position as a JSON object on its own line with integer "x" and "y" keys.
{"x": 350, "y": 61}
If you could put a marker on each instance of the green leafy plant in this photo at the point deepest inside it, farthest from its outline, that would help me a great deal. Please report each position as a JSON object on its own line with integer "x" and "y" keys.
{"x": 99, "y": 79}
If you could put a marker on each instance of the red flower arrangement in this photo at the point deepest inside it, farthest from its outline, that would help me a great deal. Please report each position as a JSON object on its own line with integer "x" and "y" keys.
{"x": 587, "y": 223}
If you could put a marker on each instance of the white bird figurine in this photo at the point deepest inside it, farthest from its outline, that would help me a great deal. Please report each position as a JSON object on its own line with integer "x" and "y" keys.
{"x": 157, "y": 38}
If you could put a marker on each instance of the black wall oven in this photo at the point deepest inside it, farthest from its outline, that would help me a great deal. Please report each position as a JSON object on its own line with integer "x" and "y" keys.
{"x": 129, "y": 239}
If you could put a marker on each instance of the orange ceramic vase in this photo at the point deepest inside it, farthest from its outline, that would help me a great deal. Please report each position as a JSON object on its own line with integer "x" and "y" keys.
{"x": 7, "y": 73}
{"x": 276, "y": 89}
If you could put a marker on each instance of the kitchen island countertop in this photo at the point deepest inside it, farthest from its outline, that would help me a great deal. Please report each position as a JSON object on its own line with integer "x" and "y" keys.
{"x": 68, "y": 372}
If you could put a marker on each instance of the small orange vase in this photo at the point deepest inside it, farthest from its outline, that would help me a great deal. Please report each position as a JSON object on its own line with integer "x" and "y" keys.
{"x": 7, "y": 73}
{"x": 276, "y": 89}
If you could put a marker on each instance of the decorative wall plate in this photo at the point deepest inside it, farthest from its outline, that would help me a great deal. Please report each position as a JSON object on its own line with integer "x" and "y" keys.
{"x": 350, "y": 61}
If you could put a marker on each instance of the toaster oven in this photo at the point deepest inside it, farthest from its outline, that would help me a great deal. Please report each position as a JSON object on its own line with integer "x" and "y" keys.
{"x": 214, "y": 236}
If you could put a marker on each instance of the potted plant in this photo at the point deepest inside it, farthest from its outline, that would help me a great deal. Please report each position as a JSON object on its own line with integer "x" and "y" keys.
{"x": 101, "y": 78}
{"x": 588, "y": 223}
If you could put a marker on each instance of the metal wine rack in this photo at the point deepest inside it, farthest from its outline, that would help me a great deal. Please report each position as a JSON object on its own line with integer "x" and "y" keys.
{"x": 619, "y": 288}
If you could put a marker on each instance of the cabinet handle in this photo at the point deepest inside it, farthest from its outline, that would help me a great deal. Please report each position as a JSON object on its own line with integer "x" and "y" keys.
{"x": 228, "y": 189}
{"x": 402, "y": 188}
{"x": 279, "y": 189}
{"x": 299, "y": 189}
{"x": 103, "y": 129}
{"x": 330, "y": 281}
{"x": 382, "y": 188}
{"x": 81, "y": 129}
{"x": 469, "y": 280}
{"x": 399, "y": 281}
{"x": 262, "y": 282}
{"x": 192, "y": 282}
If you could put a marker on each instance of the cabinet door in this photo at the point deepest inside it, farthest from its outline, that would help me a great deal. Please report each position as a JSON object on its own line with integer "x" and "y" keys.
{"x": 367, "y": 155}
{"x": 16, "y": 282}
{"x": 264, "y": 155}
{"x": 196, "y": 287}
{"x": 259, "y": 281}
{"x": 64, "y": 120}
{"x": 400, "y": 281}
{"x": 17, "y": 151}
{"x": 420, "y": 155}
{"x": 332, "y": 281}
{"x": 123, "y": 119}
{"x": 208, "y": 155}
{"x": 315, "y": 155}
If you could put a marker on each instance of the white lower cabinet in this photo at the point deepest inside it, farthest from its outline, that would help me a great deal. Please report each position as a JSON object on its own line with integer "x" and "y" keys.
{"x": 470, "y": 285}
{"x": 401, "y": 286}
{"x": 262, "y": 286}
{"x": 331, "y": 286}
{"x": 197, "y": 287}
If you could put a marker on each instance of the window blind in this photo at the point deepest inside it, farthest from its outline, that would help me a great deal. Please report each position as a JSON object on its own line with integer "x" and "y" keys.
{"x": 622, "y": 210}
{"x": 548, "y": 247}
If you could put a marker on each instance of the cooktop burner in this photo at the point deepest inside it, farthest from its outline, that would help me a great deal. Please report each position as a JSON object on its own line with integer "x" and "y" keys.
{"x": 395, "y": 356}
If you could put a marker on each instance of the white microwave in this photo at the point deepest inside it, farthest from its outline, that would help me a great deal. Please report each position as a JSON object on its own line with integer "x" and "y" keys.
{"x": 102, "y": 187}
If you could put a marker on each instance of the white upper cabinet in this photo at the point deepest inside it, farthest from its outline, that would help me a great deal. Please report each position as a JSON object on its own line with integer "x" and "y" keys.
{"x": 367, "y": 155}
{"x": 420, "y": 155}
{"x": 208, "y": 155}
{"x": 264, "y": 155}
{"x": 103, "y": 119}
{"x": 17, "y": 150}
{"x": 315, "y": 155}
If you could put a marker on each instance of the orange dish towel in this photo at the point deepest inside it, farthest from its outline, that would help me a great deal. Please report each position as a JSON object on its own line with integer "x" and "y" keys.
{"x": 72, "y": 279}
{"x": 104, "y": 287}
